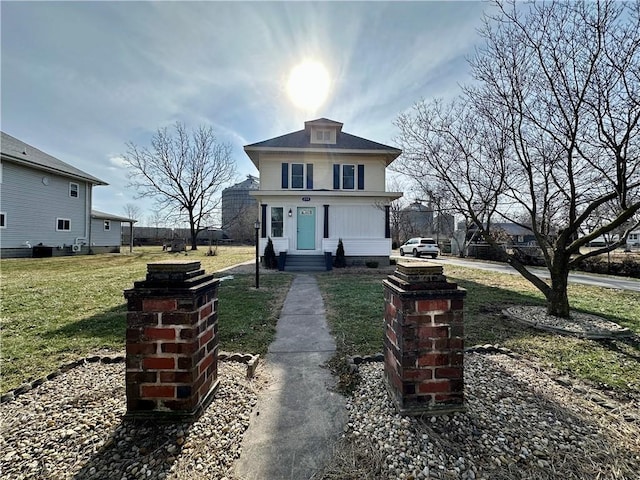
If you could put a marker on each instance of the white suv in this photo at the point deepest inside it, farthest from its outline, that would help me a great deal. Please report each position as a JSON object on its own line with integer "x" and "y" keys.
{"x": 420, "y": 246}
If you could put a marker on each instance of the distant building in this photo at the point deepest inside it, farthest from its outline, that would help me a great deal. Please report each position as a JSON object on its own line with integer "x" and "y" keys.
{"x": 417, "y": 220}
{"x": 239, "y": 209}
{"x": 445, "y": 224}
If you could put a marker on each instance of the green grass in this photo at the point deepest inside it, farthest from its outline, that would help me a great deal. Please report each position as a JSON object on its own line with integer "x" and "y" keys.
{"x": 60, "y": 309}
{"x": 56, "y": 310}
{"x": 247, "y": 317}
{"x": 355, "y": 310}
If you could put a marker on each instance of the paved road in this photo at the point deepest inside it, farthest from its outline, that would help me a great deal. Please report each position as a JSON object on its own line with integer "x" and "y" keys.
{"x": 619, "y": 283}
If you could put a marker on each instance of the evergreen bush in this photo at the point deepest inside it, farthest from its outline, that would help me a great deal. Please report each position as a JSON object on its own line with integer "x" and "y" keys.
{"x": 340, "y": 261}
{"x": 269, "y": 259}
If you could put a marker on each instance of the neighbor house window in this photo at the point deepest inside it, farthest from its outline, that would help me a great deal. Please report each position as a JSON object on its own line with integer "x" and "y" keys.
{"x": 3, "y": 220}
{"x": 344, "y": 177}
{"x": 73, "y": 190}
{"x": 277, "y": 221}
{"x": 63, "y": 224}
{"x": 301, "y": 175}
{"x": 107, "y": 225}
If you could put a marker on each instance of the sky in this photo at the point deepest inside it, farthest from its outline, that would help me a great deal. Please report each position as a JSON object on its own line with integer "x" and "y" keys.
{"x": 80, "y": 80}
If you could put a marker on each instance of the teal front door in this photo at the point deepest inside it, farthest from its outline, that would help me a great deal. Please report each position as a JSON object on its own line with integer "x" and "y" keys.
{"x": 306, "y": 228}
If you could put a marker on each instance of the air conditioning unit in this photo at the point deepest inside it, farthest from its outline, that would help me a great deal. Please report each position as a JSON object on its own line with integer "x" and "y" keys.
{"x": 76, "y": 247}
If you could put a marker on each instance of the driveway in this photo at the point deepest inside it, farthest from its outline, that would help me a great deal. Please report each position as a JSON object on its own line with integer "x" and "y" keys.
{"x": 605, "y": 281}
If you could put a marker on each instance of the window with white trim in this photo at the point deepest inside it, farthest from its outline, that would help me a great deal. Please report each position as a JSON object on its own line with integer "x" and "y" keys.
{"x": 277, "y": 221}
{"x": 3, "y": 220}
{"x": 323, "y": 135}
{"x": 107, "y": 225}
{"x": 348, "y": 177}
{"x": 74, "y": 190}
{"x": 297, "y": 175}
{"x": 63, "y": 224}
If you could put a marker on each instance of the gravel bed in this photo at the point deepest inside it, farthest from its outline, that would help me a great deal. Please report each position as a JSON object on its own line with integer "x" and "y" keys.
{"x": 519, "y": 424}
{"x": 579, "y": 324}
{"x": 72, "y": 427}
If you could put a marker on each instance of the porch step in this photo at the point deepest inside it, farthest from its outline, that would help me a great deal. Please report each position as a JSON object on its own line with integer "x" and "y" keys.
{"x": 305, "y": 263}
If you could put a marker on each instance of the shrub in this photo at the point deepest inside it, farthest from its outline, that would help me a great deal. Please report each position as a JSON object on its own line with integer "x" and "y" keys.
{"x": 371, "y": 264}
{"x": 269, "y": 259}
{"x": 340, "y": 261}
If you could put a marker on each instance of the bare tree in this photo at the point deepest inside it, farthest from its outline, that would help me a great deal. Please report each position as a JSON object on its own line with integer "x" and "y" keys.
{"x": 548, "y": 134}
{"x": 132, "y": 211}
{"x": 183, "y": 173}
{"x": 156, "y": 219}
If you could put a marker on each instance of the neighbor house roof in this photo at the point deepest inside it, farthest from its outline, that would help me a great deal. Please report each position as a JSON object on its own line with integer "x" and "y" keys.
{"x": 301, "y": 141}
{"x": 108, "y": 216}
{"x": 17, "y": 151}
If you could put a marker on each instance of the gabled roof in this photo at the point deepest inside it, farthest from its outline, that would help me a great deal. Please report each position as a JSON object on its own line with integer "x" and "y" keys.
{"x": 300, "y": 141}
{"x": 107, "y": 216}
{"x": 17, "y": 151}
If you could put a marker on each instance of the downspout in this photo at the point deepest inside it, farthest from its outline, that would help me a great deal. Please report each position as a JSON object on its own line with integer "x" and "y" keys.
{"x": 87, "y": 225}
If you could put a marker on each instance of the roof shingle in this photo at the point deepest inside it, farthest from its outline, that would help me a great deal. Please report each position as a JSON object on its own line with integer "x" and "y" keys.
{"x": 18, "y": 151}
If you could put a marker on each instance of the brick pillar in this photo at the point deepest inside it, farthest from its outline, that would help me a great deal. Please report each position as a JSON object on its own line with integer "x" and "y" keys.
{"x": 172, "y": 341}
{"x": 424, "y": 340}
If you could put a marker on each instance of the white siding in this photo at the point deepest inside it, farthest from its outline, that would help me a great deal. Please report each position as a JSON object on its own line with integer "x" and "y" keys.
{"x": 32, "y": 207}
{"x": 356, "y": 221}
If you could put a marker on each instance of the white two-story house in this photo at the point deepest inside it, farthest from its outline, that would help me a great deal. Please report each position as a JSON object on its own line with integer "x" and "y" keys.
{"x": 319, "y": 185}
{"x": 45, "y": 206}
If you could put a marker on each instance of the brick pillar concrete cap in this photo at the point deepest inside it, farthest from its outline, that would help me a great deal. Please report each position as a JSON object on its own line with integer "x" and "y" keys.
{"x": 173, "y": 266}
{"x": 421, "y": 268}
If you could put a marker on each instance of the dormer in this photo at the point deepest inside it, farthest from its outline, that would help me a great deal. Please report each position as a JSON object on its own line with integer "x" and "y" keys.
{"x": 323, "y": 131}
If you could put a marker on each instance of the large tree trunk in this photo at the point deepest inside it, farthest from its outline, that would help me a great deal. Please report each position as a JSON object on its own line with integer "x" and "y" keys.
{"x": 557, "y": 297}
{"x": 194, "y": 233}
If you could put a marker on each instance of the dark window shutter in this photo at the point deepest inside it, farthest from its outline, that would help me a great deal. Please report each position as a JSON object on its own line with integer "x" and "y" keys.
{"x": 309, "y": 176}
{"x": 360, "y": 177}
{"x": 285, "y": 175}
{"x": 336, "y": 176}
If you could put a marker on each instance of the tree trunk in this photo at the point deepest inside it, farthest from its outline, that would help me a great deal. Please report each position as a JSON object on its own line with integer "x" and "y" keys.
{"x": 194, "y": 234}
{"x": 557, "y": 297}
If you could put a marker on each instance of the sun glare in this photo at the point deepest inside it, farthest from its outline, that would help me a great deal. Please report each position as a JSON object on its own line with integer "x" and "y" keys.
{"x": 308, "y": 85}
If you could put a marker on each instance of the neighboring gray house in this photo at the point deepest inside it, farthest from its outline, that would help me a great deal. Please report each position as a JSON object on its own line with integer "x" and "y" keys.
{"x": 106, "y": 231}
{"x": 45, "y": 204}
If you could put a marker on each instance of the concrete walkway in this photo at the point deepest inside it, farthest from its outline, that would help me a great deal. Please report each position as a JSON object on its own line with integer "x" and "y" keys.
{"x": 297, "y": 419}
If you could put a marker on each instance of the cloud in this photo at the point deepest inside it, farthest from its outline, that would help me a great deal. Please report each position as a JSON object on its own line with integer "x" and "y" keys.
{"x": 81, "y": 79}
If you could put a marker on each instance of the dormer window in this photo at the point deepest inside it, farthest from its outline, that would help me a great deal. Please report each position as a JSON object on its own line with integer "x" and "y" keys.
{"x": 323, "y": 135}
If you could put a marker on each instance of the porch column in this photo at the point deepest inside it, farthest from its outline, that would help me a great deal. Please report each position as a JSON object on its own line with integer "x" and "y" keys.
{"x": 326, "y": 221}
{"x": 264, "y": 220}
{"x": 387, "y": 222}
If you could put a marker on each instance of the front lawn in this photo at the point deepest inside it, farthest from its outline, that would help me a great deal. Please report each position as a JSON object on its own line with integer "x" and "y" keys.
{"x": 55, "y": 310}
{"x": 355, "y": 308}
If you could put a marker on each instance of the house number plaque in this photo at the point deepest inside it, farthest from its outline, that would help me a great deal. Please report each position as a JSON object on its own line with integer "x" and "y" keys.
{"x": 306, "y": 199}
